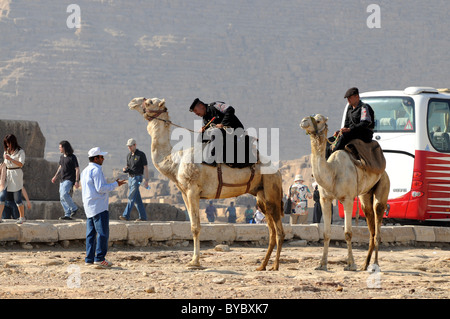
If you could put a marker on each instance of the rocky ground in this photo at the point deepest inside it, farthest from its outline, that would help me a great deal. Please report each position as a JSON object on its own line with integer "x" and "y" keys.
{"x": 54, "y": 272}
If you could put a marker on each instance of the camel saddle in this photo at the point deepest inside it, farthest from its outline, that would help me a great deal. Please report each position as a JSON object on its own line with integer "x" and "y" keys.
{"x": 222, "y": 184}
{"x": 368, "y": 156}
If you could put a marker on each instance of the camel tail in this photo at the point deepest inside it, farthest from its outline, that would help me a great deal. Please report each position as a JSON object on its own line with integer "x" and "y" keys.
{"x": 282, "y": 209}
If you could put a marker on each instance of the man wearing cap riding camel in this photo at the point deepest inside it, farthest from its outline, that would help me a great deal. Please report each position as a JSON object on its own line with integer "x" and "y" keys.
{"x": 219, "y": 115}
{"x": 137, "y": 169}
{"x": 359, "y": 121}
{"x": 95, "y": 192}
{"x": 223, "y": 114}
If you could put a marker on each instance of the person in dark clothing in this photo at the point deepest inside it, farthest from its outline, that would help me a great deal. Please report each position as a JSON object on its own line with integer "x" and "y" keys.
{"x": 137, "y": 169}
{"x": 359, "y": 121}
{"x": 223, "y": 114}
{"x": 69, "y": 173}
{"x": 220, "y": 120}
{"x": 317, "y": 208}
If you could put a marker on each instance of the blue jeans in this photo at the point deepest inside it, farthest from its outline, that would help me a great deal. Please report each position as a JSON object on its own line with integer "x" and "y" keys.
{"x": 16, "y": 195}
{"x": 134, "y": 198}
{"x": 97, "y": 235}
{"x": 65, "y": 188}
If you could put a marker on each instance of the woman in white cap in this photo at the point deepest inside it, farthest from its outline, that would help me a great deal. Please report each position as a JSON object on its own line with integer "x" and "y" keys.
{"x": 299, "y": 194}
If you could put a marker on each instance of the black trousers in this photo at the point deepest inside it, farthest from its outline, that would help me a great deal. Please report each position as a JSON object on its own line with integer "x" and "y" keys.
{"x": 362, "y": 134}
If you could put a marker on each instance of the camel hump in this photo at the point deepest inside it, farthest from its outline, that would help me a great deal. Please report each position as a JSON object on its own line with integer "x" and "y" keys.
{"x": 367, "y": 155}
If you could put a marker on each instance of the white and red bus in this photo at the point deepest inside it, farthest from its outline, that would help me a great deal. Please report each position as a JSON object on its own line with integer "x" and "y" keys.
{"x": 413, "y": 129}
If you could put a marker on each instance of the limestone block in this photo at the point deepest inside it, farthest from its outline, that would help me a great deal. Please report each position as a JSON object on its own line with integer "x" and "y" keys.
{"x": 251, "y": 232}
{"x": 442, "y": 234}
{"x": 182, "y": 230}
{"x": 306, "y": 232}
{"x": 37, "y": 175}
{"x": 288, "y": 233}
{"x": 139, "y": 233}
{"x": 336, "y": 232}
{"x": 218, "y": 232}
{"x": 28, "y": 134}
{"x": 37, "y": 232}
{"x": 387, "y": 234}
{"x": 9, "y": 232}
{"x": 404, "y": 234}
{"x": 360, "y": 234}
{"x": 46, "y": 210}
{"x": 117, "y": 231}
{"x": 71, "y": 231}
{"x": 424, "y": 233}
{"x": 161, "y": 231}
{"x": 155, "y": 212}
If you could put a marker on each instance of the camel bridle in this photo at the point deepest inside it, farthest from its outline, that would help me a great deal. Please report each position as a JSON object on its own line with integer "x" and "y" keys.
{"x": 154, "y": 115}
{"x": 314, "y": 123}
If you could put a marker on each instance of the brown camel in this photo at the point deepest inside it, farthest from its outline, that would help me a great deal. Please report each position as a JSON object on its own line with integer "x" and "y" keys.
{"x": 200, "y": 181}
{"x": 339, "y": 178}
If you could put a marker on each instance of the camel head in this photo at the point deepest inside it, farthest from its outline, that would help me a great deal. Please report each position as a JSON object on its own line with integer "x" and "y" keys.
{"x": 314, "y": 125}
{"x": 149, "y": 108}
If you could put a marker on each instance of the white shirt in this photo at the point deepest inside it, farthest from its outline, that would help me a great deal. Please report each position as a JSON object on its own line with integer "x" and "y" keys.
{"x": 14, "y": 174}
{"x": 95, "y": 190}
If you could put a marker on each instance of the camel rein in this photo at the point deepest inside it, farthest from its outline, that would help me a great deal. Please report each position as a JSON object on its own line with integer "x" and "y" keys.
{"x": 158, "y": 113}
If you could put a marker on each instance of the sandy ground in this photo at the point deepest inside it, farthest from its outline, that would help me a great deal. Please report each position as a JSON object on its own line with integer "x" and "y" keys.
{"x": 160, "y": 272}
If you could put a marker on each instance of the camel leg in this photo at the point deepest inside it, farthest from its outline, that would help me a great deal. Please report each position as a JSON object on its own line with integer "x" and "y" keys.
{"x": 326, "y": 211}
{"x": 380, "y": 196}
{"x": 260, "y": 201}
{"x": 379, "y": 212}
{"x": 192, "y": 205}
{"x": 273, "y": 211}
{"x": 276, "y": 233}
{"x": 348, "y": 209}
{"x": 280, "y": 239}
{"x": 367, "y": 207}
{"x": 272, "y": 242}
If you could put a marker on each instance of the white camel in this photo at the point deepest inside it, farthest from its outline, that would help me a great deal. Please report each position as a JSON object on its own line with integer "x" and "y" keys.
{"x": 339, "y": 178}
{"x": 200, "y": 181}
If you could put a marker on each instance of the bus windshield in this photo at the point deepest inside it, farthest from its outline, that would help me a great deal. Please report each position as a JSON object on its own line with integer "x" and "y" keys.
{"x": 392, "y": 114}
{"x": 438, "y": 124}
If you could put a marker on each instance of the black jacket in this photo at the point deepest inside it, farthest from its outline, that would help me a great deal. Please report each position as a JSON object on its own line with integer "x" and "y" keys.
{"x": 223, "y": 113}
{"x": 360, "y": 117}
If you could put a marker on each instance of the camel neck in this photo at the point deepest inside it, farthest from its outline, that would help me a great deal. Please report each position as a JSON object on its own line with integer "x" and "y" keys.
{"x": 321, "y": 168}
{"x": 161, "y": 150}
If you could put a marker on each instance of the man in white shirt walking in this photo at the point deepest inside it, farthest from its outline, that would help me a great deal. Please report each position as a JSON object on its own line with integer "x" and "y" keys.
{"x": 95, "y": 192}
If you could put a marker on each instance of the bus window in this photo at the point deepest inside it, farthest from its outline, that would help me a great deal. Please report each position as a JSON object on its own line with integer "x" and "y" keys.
{"x": 392, "y": 114}
{"x": 438, "y": 124}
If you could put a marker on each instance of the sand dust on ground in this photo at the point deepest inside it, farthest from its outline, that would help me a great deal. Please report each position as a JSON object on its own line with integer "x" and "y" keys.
{"x": 43, "y": 271}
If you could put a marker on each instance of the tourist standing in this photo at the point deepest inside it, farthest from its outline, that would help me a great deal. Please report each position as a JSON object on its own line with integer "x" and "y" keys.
{"x": 299, "y": 195}
{"x": 137, "y": 169}
{"x": 211, "y": 212}
{"x": 95, "y": 191}
{"x": 14, "y": 159}
{"x": 317, "y": 207}
{"x": 259, "y": 216}
{"x": 231, "y": 210}
{"x": 249, "y": 215}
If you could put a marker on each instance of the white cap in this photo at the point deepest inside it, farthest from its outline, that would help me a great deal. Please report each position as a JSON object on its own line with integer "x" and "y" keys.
{"x": 96, "y": 152}
{"x": 131, "y": 142}
{"x": 298, "y": 178}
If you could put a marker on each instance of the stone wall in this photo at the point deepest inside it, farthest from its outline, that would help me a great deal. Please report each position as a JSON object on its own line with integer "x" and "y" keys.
{"x": 155, "y": 212}
{"x": 37, "y": 171}
{"x": 142, "y": 233}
